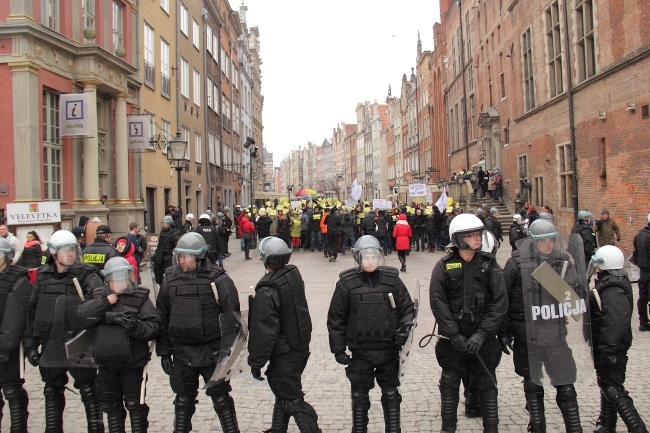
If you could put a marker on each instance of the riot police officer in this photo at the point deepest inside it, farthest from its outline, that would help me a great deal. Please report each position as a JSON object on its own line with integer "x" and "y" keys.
{"x": 371, "y": 313}
{"x": 15, "y": 289}
{"x": 125, "y": 319}
{"x": 544, "y": 341}
{"x": 162, "y": 258}
{"x": 101, "y": 250}
{"x": 586, "y": 233}
{"x": 468, "y": 301}
{"x": 279, "y": 333}
{"x": 641, "y": 258}
{"x": 191, "y": 335}
{"x": 611, "y": 305}
{"x": 517, "y": 231}
{"x": 55, "y": 279}
{"x": 209, "y": 233}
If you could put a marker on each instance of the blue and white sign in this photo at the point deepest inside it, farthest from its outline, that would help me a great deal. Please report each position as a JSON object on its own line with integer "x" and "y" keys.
{"x": 139, "y": 127}
{"x": 74, "y": 119}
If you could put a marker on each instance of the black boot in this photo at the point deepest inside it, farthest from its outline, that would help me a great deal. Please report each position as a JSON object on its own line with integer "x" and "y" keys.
{"x": 93, "y": 414}
{"x": 225, "y": 408}
{"x": 567, "y": 401}
{"x": 606, "y": 422}
{"x": 116, "y": 416}
{"x": 185, "y": 406}
{"x": 535, "y": 406}
{"x": 390, "y": 401}
{"x": 448, "y": 407}
{"x": 490, "y": 410}
{"x": 360, "y": 407}
{"x": 625, "y": 408}
{"x": 54, "y": 405}
{"x": 303, "y": 414}
{"x": 17, "y": 398}
{"x": 280, "y": 419}
{"x": 138, "y": 413}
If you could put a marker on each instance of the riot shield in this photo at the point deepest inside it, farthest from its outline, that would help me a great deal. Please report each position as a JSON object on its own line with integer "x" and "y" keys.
{"x": 405, "y": 353}
{"x": 556, "y": 307}
{"x": 233, "y": 354}
{"x": 68, "y": 346}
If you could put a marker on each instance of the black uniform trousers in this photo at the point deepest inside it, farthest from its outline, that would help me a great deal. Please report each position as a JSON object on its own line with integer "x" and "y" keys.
{"x": 556, "y": 360}
{"x": 362, "y": 372}
{"x": 284, "y": 374}
{"x": 184, "y": 380}
{"x": 466, "y": 365}
{"x": 10, "y": 371}
{"x": 116, "y": 385}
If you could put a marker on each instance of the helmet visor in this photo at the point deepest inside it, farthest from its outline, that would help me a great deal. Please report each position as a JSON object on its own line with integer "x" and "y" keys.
{"x": 68, "y": 255}
{"x": 369, "y": 259}
{"x": 185, "y": 265}
{"x": 121, "y": 281}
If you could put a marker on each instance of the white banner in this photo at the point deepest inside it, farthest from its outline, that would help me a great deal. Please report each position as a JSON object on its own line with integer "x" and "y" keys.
{"x": 417, "y": 190}
{"x": 139, "y": 127}
{"x": 33, "y": 213}
{"x": 379, "y": 203}
{"x": 74, "y": 115}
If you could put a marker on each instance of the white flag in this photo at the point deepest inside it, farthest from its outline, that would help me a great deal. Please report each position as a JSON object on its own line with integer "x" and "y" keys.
{"x": 441, "y": 204}
{"x": 74, "y": 115}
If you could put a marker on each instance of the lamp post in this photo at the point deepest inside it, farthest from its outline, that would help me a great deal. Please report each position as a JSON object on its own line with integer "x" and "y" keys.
{"x": 176, "y": 157}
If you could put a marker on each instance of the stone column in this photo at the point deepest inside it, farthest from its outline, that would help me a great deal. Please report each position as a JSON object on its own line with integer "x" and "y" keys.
{"x": 90, "y": 183}
{"x": 26, "y": 125}
{"x": 121, "y": 151}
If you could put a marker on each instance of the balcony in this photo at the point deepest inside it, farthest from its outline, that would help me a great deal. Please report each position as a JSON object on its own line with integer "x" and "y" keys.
{"x": 149, "y": 75}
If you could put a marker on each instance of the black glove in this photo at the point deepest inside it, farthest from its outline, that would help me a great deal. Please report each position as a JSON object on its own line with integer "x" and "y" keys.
{"x": 475, "y": 342}
{"x": 33, "y": 356}
{"x": 257, "y": 373}
{"x": 608, "y": 359}
{"x": 459, "y": 343}
{"x": 342, "y": 358}
{"x": 505, "y": 340}
{"x": 4, "y": 356}
{"x": 167, "y": 364}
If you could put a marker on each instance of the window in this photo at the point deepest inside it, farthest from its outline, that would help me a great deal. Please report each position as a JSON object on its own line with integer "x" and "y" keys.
{"x": 164, "y": 4}
{"x": 585, "y": 44}
{"x": 52, "y": 173}
{"x": 197, "y": 147}
{"x": 88, "y": 13}
{"x": 185, "y": 134}
{"x": 185, "y": 78}
{"x": 565, "y": 167}
{"x": 165, "y": 131}
{"x": 164, "y": 68}
{"x": 529, "y": 83}
{"x": 197, "y": 88}
{"x": 50, "y": 14}
{"x": 208, "y": 38}
{"x": 554, "y": 49}
{"x": 538, "y": 190}
{"x": 196, "y": 34}
{"x": 149, "y": 56}
{"x": 185, "y": 16}
{"x": 118, "y": 25}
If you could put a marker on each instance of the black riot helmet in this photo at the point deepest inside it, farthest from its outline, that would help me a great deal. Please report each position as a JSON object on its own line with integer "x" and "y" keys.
{"x": 274, "y": 252}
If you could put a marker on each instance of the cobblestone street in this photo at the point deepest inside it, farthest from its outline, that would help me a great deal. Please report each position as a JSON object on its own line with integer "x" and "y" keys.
{"x": 325, "y": 384}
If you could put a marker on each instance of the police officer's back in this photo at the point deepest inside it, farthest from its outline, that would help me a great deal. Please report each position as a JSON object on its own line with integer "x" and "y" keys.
{"x": 101, "y": 250}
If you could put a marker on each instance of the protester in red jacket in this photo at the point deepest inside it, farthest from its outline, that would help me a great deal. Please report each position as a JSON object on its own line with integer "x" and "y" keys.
{"x": 402, "y": 234}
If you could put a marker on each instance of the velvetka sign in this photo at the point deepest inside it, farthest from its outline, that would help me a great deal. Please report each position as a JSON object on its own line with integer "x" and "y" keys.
{"x": 33, "y": 213}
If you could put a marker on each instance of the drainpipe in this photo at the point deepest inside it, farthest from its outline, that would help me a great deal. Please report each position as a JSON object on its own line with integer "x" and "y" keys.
{"x": 572, "y": 124}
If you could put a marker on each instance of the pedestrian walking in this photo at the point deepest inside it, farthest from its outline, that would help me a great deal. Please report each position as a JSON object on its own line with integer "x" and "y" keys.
{"x": 371, "y": 313}
{"x": 279, "y": 334}
{"x": 191, "y": 335}
{"x": 607, "y": 230}
{"x": 641, "y": 258}
{"x": 402, "y": 234}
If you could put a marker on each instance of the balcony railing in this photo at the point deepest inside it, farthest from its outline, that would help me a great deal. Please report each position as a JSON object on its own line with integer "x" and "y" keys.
{"x": 149, "y": 74}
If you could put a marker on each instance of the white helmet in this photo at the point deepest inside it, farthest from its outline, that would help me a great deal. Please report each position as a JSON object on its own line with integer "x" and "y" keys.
{"x": 516, "y": 217}
{"x": 189, "y": 217}
{"x": 60, "y": 239}
{"x": 462, "y": 224}
{"x": 608, "y": 257}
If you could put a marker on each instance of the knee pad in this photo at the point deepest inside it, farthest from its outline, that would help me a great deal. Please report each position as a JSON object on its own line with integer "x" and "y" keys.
{"x": 390, "y": 395}
{"x": 449, "y": 379}
{"x": 111, "y": 408}
{"x": 51, "y": 392}
{"x": 531, "y": 387}
{"x": 14, "y": 392}
{"x": 566, "y": 393}
{"x": 185, "y": 402}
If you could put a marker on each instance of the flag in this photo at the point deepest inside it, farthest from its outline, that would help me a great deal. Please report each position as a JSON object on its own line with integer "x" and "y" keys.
{"x": 442, "y": 201}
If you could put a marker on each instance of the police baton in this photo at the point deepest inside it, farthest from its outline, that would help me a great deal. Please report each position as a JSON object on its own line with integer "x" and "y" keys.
{"x": 143, "y": 387}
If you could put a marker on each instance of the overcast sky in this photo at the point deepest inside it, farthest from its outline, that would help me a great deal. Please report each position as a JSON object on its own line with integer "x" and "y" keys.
{"x": 322, "y": 58}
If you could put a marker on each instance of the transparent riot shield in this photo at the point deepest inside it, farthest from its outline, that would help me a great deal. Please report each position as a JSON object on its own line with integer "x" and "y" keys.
{"x": 233, "y": 354}
{"x": 68, "y": 346}
{"x": 556, "y": 307}
{"x": 405, "y": 353}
